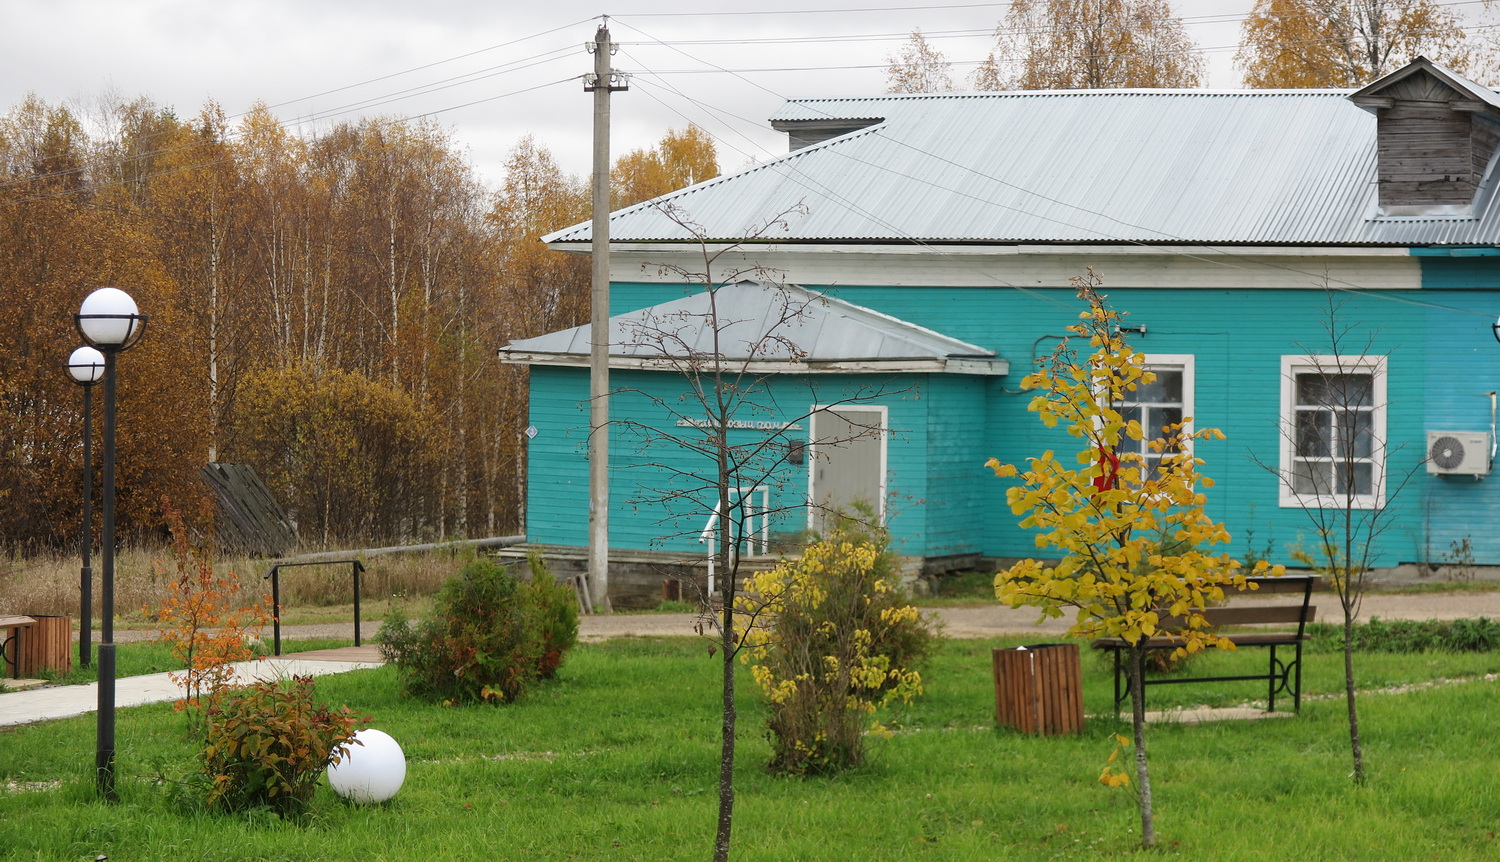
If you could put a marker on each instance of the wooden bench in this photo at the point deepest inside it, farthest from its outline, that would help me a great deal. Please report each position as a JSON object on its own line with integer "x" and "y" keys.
{"x": 1280, "y": 675}
{"x": 12, "y": 633}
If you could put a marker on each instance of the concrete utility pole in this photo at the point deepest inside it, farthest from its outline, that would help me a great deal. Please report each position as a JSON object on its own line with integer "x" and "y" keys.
{"x": 601, "y": 83}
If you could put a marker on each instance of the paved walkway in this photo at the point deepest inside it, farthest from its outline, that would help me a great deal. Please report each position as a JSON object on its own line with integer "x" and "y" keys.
{"x": 62, "y": 701}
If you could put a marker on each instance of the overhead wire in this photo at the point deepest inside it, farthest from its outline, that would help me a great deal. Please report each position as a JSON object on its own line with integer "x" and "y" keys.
{"x": 502, "y": 69}
{"x": 1334, "y": 283}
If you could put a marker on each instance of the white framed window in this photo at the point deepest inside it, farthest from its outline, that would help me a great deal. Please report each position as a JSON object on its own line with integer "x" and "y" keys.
{"x": 1165, "y": 401}
{"x": 1333, "y": 431}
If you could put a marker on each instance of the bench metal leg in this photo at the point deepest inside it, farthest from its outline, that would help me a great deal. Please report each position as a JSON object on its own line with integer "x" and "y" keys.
{"x": 1273, "y": 678}
{"x": 1297, "y": 692}
{"x": 1117, "y": 683}
{"x": 10, "y": 652}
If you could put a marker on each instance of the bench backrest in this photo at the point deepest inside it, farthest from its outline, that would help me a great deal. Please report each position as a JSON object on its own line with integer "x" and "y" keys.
{"x": 1297, "y": 609}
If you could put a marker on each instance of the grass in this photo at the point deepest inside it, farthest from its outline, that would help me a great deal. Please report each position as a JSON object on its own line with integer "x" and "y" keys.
{"x": 617, "y": 760}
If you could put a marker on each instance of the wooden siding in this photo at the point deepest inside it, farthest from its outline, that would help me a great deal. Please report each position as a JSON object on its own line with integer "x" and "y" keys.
{"x": 1460, "y": 269}
{"x": 1429, "y": 153}
{"x": 1458, "y": 375}
{"x": 658, "y": 504}
{"x": 1427, "y": 156}
{"x": 1237, "y": 339}
{"x": 1442, "y": 363}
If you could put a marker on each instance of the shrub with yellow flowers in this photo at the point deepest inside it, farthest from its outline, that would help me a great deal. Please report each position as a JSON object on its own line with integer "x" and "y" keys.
{"x": 834, "y": 641}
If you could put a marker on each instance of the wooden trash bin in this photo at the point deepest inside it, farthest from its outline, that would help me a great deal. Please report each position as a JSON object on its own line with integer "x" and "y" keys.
{"x": 1039, "y": 689}
{"x": 47, "y": 645}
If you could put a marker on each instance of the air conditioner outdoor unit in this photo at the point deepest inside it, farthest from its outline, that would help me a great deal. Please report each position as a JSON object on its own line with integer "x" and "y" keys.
{"x": 1465, "y": 453}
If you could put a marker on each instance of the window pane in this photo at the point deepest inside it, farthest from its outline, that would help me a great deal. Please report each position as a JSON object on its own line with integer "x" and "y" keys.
{"x": 1166, "y": 389}
{"x": 1356, "y": 435}
{"x": 1312, "y": 390}
{"x": 1339, "y": 391}
{"x": 1352, "y": 390}
{"x": 1161, "y": 417}
{"x": 1311, "y": 478}
{"x": 1314, "y": 433}
{"x": 1131, "y": 414}
{"x": 1152, "y": 469}
{"x": 1363, "y": 476}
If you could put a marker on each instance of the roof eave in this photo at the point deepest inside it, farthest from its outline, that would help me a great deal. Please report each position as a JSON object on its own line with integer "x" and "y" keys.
{"x": 949, "y": 365}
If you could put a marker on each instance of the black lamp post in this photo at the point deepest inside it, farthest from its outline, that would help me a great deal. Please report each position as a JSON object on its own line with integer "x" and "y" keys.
{"x": 86, "y": 366}
{"x": 109, "y": 321}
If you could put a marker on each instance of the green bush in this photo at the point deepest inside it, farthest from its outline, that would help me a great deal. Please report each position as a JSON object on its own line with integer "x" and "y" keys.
{"x": 554, "y": 607}
{"x": 836, "y": 639}
{"x": 1411, "y": 636}
{"x": 490, "y": 636}
{"x": 267, "y": 745}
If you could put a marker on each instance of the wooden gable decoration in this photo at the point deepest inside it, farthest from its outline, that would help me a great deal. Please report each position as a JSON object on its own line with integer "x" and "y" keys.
{"x": 1436, "y": 136}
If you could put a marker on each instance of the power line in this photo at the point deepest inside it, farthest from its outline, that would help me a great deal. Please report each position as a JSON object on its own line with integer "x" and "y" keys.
{"x": 1337, "y": 284}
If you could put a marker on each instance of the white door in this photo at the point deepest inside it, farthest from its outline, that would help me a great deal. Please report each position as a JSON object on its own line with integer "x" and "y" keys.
{"x": 846, "y": 462}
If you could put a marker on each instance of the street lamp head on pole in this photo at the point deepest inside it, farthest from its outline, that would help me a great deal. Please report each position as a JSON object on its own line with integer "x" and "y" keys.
{"x": 86, "y": 366}
{"x": 109, "y": 320}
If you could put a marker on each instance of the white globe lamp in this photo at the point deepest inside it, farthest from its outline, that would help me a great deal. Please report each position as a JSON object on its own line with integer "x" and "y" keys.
{"x": 109, "y": 318}
{"x": 371, "y": 770}
{"x": 86, "y": 366}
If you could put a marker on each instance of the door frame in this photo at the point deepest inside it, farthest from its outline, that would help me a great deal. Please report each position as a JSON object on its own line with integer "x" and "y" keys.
{"x": 882, "y": 439}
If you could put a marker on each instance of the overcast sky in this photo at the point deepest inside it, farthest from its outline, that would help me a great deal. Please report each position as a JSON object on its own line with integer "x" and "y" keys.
{"x": 492, "y": 72}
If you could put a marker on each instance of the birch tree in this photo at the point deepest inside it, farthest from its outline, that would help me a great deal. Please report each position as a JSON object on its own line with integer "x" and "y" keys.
{"x": 918, "y": 68}
{"x": 1090, "y": 45}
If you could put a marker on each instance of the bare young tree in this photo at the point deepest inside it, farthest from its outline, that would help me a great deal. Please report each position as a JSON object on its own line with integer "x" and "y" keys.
{"x": 734, "y": 366}
{"x": 1335, "y": 466}
{"x": 918, "y": 68}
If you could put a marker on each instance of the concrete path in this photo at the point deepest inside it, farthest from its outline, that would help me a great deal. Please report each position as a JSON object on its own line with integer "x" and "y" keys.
{"x": 62, "y": 701}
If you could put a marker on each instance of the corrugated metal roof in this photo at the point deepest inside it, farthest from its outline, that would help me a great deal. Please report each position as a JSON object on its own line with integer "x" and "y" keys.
{"x": 761, "y": 322}
{"x": 1121, "y": 166}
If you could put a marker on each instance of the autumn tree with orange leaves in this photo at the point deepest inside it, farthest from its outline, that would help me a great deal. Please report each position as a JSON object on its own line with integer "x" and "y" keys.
{"x": 366, "y": 257}
{"x": 1298, "y": 44}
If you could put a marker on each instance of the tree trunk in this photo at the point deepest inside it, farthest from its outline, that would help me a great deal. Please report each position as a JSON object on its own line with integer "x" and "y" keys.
{"x": 728, "y": 564}
{"x": 726, "y": 753}
{"x": 1137, "y": 673}
{"x": 1354, "y": 746}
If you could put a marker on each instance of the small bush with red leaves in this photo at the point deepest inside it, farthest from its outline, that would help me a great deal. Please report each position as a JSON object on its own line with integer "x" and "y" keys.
{"x": 268, "y": 744}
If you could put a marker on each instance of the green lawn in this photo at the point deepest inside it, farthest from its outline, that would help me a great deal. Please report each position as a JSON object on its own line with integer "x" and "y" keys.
{"x": 618, "y": 758}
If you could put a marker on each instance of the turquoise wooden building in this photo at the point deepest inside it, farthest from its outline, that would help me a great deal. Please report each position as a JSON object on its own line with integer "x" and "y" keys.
{"x": 1256, "y": 239}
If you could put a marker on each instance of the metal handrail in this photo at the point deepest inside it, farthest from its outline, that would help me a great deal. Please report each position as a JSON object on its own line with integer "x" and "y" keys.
{"x": 275, "y": 576}
{"x": 761, "y": 543}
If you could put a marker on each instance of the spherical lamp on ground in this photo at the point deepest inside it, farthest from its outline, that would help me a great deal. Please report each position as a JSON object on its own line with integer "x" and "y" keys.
{"x": 371, "y": 770}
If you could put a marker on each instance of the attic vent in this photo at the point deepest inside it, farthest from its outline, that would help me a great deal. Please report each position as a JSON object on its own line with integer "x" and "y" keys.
{"x": 1436, "y": 133}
